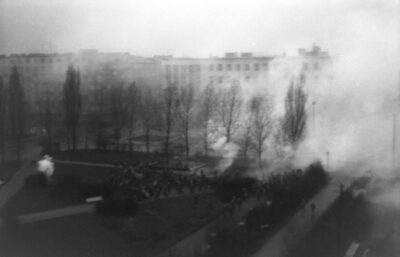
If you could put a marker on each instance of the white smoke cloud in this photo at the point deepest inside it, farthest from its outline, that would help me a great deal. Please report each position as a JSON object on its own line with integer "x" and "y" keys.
{"x": 46, "y": 166}
{"x": 228, "y": 151}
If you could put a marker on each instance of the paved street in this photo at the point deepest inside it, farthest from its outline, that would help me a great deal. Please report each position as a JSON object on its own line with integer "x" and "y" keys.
{"x": 31, "y": 152}
{"x": 302, "y": 222}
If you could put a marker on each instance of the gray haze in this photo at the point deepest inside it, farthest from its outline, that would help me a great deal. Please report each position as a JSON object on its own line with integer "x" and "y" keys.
{"x": 186, "y": 27}
{"x": 354, "y": 112}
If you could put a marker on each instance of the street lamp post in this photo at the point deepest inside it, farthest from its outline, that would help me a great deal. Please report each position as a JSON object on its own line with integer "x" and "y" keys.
{"x": 313, "y": 114}
{"x": 327, "y": 161}
{"x": 394, "y": 140}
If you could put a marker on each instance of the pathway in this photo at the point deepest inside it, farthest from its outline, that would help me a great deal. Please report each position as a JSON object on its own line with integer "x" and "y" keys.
{"x": 17, "y": 181}
{"x": 95, "y": 164}
{"x": 302, "y": 222}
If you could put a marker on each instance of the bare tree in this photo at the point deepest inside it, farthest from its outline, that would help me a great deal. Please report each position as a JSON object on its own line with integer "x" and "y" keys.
{"x": 208, "y": 104}
{"x": 148, "y": 111}
{"x": 230, "y": 109}
{"x": 16, "y": 110}
{"x": 294, "y": 120}
{"x": 48, "y": 119}
{"x": 169, "y": 108}
{"x": 184, "y": 113}
{"x": 72, "y": 104}
{"x": 132, "y": 98}
{"x": 3, "y": 111}
{"x": 261, "y": 122}
{"x": 245, "y": 136}
{"x": 97, "y": 121}
{"x": 117, "y": 110}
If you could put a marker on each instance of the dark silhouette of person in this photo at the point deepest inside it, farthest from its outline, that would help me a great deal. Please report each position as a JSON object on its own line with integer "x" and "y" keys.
{"x": 312, "y": 210}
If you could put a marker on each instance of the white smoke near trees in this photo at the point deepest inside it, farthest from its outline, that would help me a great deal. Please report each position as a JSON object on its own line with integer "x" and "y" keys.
{"x": 46, "y": 166}
{"x": 227, "y": 150}
{"x": 354, "y": 100}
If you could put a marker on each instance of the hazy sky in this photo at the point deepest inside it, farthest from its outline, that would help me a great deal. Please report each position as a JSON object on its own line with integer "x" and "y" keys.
{"x": 187, "y": 28}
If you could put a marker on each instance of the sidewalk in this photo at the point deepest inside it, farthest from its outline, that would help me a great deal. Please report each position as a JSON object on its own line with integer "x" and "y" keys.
{"x": 17, "y": 182}
{"x": 302, "y": 222}
{"x": 95, "y": 164}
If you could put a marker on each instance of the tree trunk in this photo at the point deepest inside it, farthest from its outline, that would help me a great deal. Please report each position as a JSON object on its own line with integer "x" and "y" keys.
{"x": 18, "y": 147}
{"x": 147, "y": 141}
{"x": 187, "y": 145}
{"x": 73, "y": 135}
{"x": 130, "y": 140}
{"x": 206, "y": 140}
{"x": 2, "y": 146}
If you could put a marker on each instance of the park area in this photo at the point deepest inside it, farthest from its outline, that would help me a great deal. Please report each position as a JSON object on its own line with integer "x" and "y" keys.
{"x": 155, "y": 226}
{"x": 165, "y": 208}
{"x": 145, "y": 208}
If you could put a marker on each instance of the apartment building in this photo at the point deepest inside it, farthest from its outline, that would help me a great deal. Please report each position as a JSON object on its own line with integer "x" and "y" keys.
{"x": 46, "y": 72}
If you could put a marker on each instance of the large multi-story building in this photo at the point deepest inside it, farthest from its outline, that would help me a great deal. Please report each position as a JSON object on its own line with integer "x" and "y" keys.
{"x": 46, "y": 72}
{"x": 202, "y": 71}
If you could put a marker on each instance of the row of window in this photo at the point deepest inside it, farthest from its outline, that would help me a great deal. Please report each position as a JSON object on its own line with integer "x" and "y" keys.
{"x": 175, "y": 67}
{"x": 220, "y": 79}
{"x": 238, "y": 67}
{"x": 220, "y": 67}
{"x": 35, "y": 60}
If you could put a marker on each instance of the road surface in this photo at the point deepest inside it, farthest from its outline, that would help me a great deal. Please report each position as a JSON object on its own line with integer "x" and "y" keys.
{"x": 302, "y": 222}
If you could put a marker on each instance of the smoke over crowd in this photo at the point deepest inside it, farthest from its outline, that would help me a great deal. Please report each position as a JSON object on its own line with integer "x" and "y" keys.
{"x": 349, "y": 108}
{"x": 354, "y": 101}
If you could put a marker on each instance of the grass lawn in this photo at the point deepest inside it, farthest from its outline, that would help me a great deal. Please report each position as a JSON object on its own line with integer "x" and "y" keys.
{"x": 28, "y": 200}
{"x": 156, "y": 226}
{"x": 8, "y": 169}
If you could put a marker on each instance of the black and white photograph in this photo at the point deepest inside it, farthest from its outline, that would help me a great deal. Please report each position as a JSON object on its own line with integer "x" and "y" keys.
{"x": 199, "y": 128}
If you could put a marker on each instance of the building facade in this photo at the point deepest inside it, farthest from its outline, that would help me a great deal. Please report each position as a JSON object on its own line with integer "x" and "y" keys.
{"x": 45, "y": 73}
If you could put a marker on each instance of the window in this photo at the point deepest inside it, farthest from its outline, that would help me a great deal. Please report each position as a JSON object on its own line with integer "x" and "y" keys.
{"x": 220, "y": 80}
{"x": 211, "y": 79}
{"x": 228, "y": 67}
{"x": 247, "y": 67}
{"x": 198, "y": 68}
{"x": 256, "y": 66}
{"x": 211, "y": 67}
{"x": 219, "y": 67}
{"x": 305, "y": 66}
{"x": 248, "y": 77}
{"x": 238, "y": 66}
{"x": 316, "y": 66}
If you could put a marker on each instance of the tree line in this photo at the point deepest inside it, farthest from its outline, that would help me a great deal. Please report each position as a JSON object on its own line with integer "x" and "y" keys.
{"x": 187, "y": 116}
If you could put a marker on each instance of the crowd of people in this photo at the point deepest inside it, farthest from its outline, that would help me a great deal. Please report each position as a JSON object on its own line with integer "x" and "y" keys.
{"x": 140, "y": 181}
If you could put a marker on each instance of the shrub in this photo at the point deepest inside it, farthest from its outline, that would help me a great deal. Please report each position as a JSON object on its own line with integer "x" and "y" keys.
{"x": 36, "y": 180}
{"x": 117, "y": 207}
